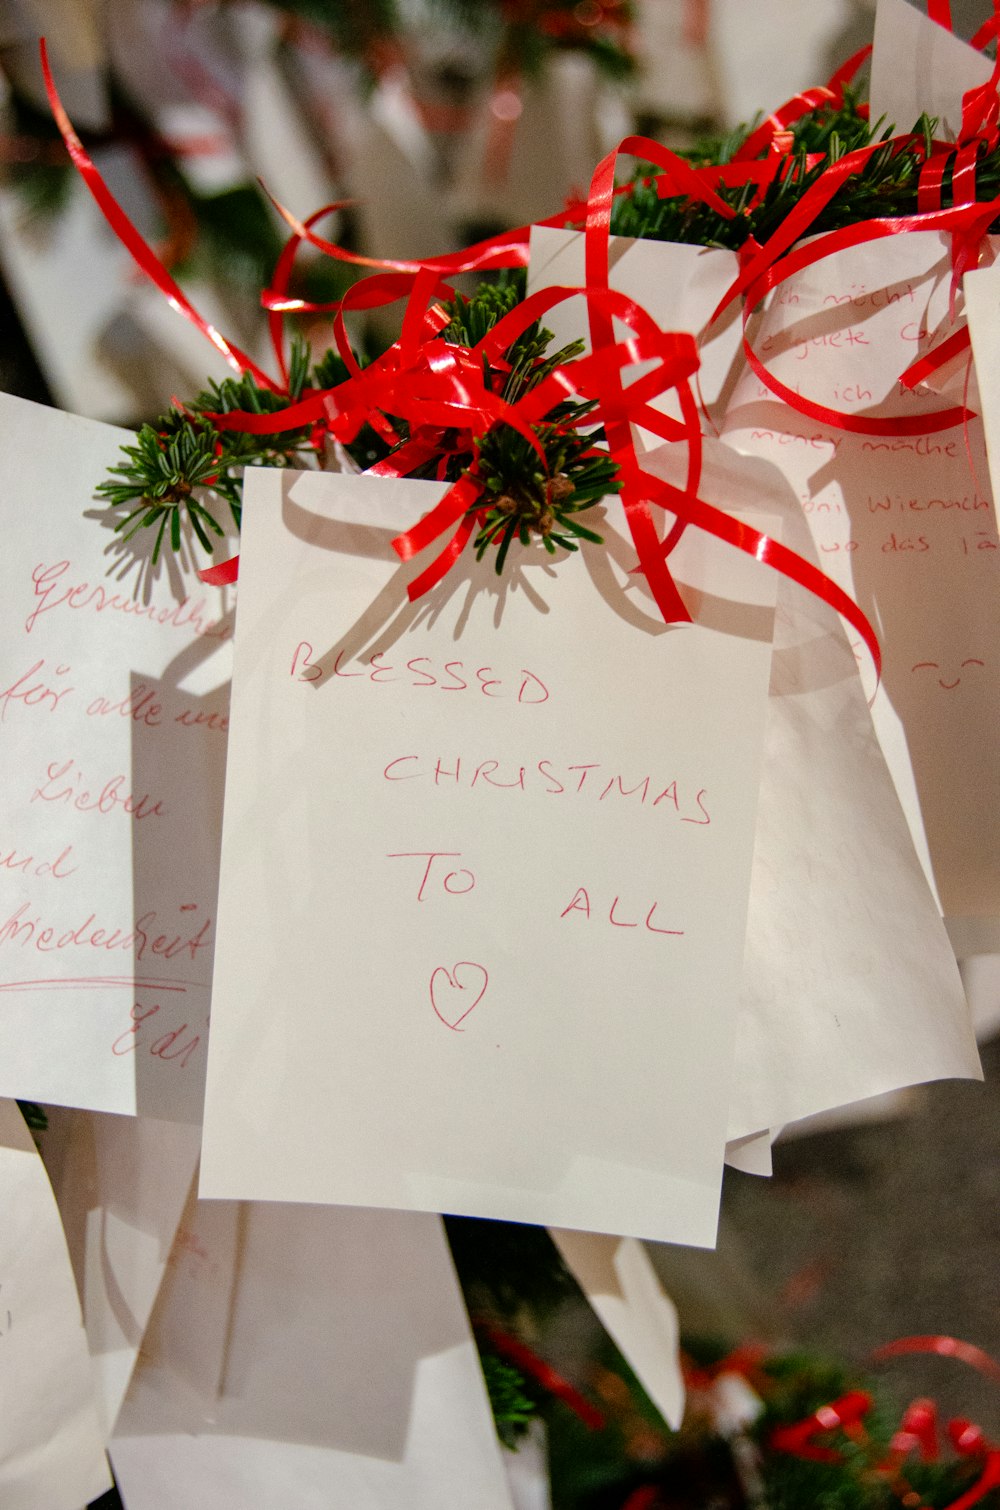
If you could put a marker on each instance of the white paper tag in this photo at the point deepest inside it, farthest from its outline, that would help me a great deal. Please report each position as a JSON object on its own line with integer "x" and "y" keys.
{"x": 113, "y": 716}
{"x": 486, "y": 860}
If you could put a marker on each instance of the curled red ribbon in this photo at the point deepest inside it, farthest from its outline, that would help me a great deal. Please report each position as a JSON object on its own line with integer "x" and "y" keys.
{"x": 128, "y": 235}
{"x": 435, "y": 385}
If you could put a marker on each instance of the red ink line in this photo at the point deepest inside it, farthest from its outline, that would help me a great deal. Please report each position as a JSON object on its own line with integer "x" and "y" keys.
{"x": 81, "y": 983}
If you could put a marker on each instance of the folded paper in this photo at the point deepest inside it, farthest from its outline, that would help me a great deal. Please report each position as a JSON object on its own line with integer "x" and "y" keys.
{"x": 621, "y": 1284}
{"x": 325, "y": 1359}
{"x": 120, "y": 1184}
{"x": 920, "y": 67}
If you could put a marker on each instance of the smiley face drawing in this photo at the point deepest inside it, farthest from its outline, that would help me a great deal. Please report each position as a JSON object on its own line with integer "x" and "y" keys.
{"x": 948, "y": 686}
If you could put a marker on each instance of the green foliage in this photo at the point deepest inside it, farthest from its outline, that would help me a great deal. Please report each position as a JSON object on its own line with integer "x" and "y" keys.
{"x": 885, "y": 186}
{"x": 182, "y": 459}
{"x": 522, "y": 497}
{"x": 170, "y": 459}
{"x": 513, "y": 1410}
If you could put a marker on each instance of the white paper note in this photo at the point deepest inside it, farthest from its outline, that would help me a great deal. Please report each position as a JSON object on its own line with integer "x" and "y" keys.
{"x": 621, "y": 1284}
{"x": 113, "y": 716}
{"x": 982, "y": 307}
{"x": 337, "y": 1369}
{"x": 678, "y": 285}
{"x": 904, "y": 523}
{"x": 751, "y": 1154}
{"x": 849, "y": 986}
{"x": 845, "y": 994}
{"x": 120, "y": 1184}
{"x": 51, "y": 1445}
{"x": 485, "y": 878}
{"x": 920, "y": 67}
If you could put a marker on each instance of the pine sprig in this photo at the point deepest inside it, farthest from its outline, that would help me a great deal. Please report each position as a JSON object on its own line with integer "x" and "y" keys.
{"x": 521, "y": 498}
{"x": 181, "y": 461}
{"x": 182, "y": 458}
{"x": 885, "y": 186}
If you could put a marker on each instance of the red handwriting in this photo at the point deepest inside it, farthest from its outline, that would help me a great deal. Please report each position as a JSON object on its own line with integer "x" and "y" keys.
{"x": 456, "y": 883}
{"x": 971, "y": 660}
{"x": 967, "y": 504}
{"x": 919, "y": 445}
{"x": 982, "y": 540}
{"x": 198, "y": 718}
{"x": 817, "y": 442}
{"x": 51, "y": 591}
{"x": 33, "y": 690}
{"x": 821, "y": 506}
{"x": 445, "y": 983}
{"x": 894, "y": 542}
{"x": 65, "y": 783}
{"x": 29, "y": 865}
{"x": 544, "y": 776}
{"x": 852, "y": 393}
{"x": 581, "y": 905}
{"x": 421, "y": 671}
{"x": 139, "y": 705}
{"x": 141, "y": 939}
{"x": 167, "y": 1046}
{"x": 837, "y": 339}
{"x": 876, "y": 298}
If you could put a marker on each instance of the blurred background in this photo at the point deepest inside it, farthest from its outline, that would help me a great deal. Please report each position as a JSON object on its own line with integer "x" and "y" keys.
{"x": 440, "y": 121}
{"x": 432, "y": 123}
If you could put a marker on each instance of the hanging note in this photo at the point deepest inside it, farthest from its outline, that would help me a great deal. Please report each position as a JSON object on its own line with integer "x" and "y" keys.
{"x": 113, "y": 717}
{"x": 486, "y": 862}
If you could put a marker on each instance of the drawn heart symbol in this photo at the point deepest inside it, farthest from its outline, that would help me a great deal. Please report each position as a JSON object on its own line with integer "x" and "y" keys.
{"x": 474, "y": 976}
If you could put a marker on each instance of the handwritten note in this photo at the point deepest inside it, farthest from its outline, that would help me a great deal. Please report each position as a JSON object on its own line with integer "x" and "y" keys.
{"x": 844, "y": 996}
{"x": 113, "y": 718}
{"x": 51, "y": 1445}
{"x": 485, "y": 863}
{"x": 849, "y": 982}
{"x": 905, "y": 523}
{"x": 336, "y": 1367}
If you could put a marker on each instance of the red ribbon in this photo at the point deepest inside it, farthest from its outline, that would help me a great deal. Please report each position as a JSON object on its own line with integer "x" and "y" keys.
{"x": 522, "y": 1357}
{"x": 436, "y": 386}
{"x": 918, "y": 1426}
{"x": 136, "y": 244}
{"x": 841, "y": 1414}
{"x": 943, "y": 1347}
